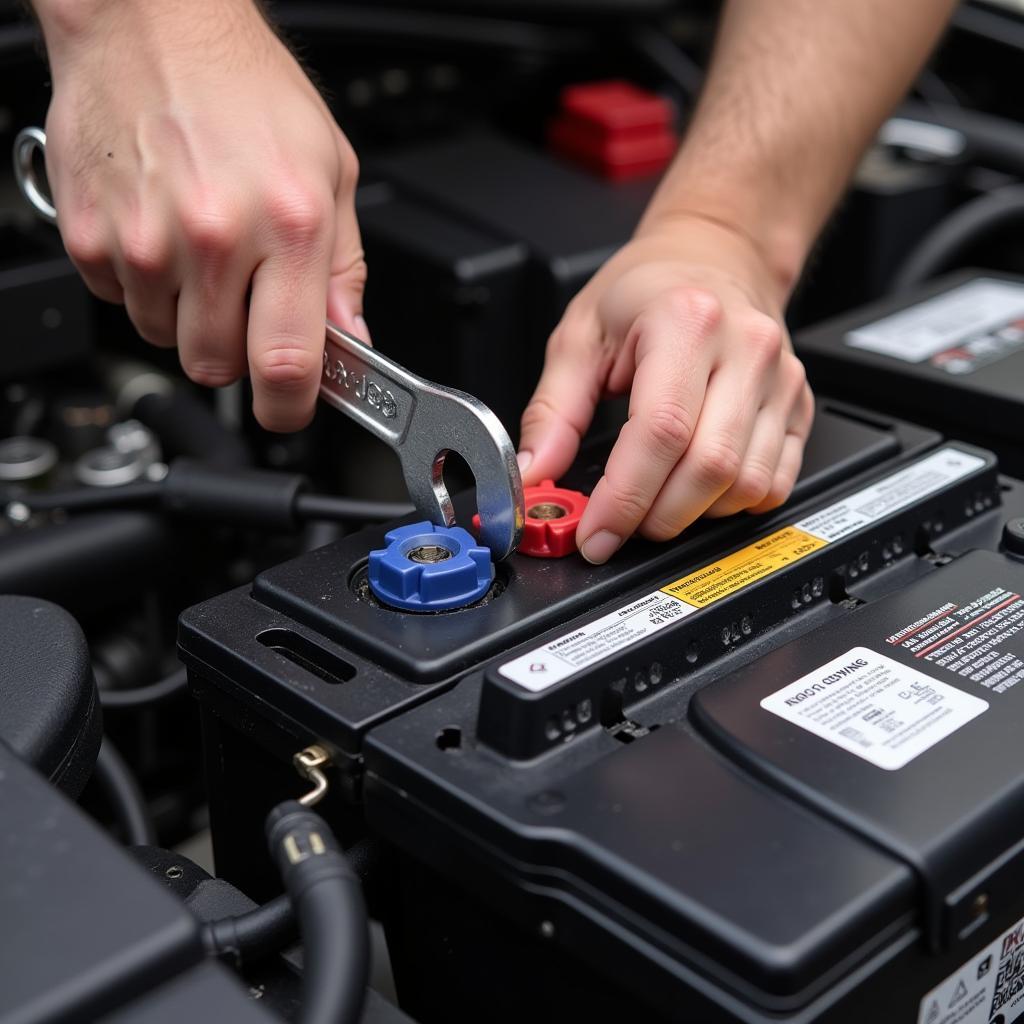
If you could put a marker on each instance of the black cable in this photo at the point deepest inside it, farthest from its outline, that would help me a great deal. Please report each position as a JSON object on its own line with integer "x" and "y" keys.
{"x": 952, "y": 237}
{"x": 144, "y": 696}
{"x": 92, "y": 499}
{"x": 247, "y": 937}
{"x": 245, "y": 497}
{"x": 118, "y": 785}
{"x": 328, "y": 902}
{"x": 348, "y": 510}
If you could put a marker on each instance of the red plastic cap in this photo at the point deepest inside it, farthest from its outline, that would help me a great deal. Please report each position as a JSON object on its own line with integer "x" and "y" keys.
{"x": 616, "y": 107}
{"x": 552, "y": 515}
{"x": 614, "y": 129}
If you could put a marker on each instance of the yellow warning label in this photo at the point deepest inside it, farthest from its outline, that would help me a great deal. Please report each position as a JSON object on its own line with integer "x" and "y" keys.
{"x": 749, "y": 564}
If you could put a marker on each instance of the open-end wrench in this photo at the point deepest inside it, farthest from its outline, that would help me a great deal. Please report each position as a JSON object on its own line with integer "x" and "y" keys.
{"x": 421, "y": 421}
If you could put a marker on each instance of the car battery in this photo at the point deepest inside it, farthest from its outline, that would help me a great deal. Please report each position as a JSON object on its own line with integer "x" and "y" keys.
{"x": 469, "y": 740}
{"x": 950, "y": 354}
{"x": 832, "y": 832}
{"x": 304, "y": 653}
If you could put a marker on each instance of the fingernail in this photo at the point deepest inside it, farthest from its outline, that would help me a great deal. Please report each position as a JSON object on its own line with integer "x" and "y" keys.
{"x": 362, "y": 329}
{"x": 524, "y": 459}
{"x": 600, "y": 547}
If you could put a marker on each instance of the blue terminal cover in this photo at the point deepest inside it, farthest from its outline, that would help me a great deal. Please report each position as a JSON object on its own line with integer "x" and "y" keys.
{"x": 429, "y": 568}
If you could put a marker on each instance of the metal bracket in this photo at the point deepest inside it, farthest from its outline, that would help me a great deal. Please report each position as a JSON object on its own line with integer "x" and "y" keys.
{"x": 308, "y": 763}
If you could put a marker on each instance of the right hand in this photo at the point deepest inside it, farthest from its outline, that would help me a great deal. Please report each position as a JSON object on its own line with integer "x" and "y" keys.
{"x": 200, "y": 179}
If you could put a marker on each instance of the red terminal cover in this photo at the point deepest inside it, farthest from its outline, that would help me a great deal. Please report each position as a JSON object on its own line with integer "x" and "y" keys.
{"x": 614, "y": 129}
{"x": 616, "y": 107}
{"x": 552, "y": 515}
{"x": 612, "y": 158}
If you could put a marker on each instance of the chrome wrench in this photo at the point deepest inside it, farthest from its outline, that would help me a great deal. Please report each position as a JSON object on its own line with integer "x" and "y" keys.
{"x": 423, "y": 422}
{"x": 420, "y": 420}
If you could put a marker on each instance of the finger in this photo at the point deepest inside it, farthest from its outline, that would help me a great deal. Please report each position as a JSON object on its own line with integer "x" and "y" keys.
{"x": 714, "y": 457}
{"x": 89, "y": 247}
{"x": 666, "y": 401}
{"x": 562, "y": 406}
{"x": 286, "y": 314}
{"x": 147, "y": 269}
{"x": 791, "y": 457}
{"x": 780, "y": 413}
{"x": 348, "y": 260}
{"x": 212, "y": 309}
{"x": 757, "y": 472}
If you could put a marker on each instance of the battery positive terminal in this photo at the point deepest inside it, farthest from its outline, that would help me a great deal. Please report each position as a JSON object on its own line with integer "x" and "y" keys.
{"x": 552, "y": 515}
{"x": 429, "y": 568}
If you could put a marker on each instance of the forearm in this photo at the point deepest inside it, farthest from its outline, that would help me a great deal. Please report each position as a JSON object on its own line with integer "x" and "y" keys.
{"x": 796, "y": 90}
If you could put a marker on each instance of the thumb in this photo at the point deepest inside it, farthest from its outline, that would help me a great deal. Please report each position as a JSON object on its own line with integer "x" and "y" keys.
{"x": 562, "y": 407}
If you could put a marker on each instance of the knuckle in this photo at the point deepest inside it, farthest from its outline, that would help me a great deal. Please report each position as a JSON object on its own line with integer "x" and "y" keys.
{"x": 211, "y": 230}
{"x": 795, "y": 376}
{"x": 536, "y": 415}
{"x": 668, "y": 429}
{"x": 84, "y": 246}
{"x": 694, "y": 309}
{"x": 764, "y": 337}
{"x": 144, "y": 253}
{"x": 355, "y": 271}
{"x": 778, "y": 493}
{"x": 751, "y": 486}
{"x": 659, "y": 527}
{"x": 151, "y": 329}
{"x": 287, "y": 367}
{"x": 629, "y": 501}
{"x": 297, "y": 215}
{"x": 348, "y": 176}
{"x": 717, "y": 464}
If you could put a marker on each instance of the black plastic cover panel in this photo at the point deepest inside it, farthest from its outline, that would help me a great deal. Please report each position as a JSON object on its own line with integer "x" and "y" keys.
{"x": 920, "y": 698}
{"x": 84, "y": 928}
{"x": 49, "y": 710}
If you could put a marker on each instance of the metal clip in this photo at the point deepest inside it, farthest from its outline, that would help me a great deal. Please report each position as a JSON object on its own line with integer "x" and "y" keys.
{"x": 308, "y": 763}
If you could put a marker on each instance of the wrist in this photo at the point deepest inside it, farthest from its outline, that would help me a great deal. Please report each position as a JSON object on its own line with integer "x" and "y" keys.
{"x": 705, "y": 235}
{"x": 776, "y": 248}
{"x": 73, "y": 27}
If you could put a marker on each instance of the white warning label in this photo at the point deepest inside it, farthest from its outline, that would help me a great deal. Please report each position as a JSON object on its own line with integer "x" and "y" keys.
{"x": 595, "y": 641}
{"x": 895, "y": 492}
{"x": 875, "y": 707}
{"x": 944, "y": 322}
{"x": 988, "y": 989}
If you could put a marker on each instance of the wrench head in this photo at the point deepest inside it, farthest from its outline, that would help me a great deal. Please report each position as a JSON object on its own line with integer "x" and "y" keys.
{"x": 464, "y": 425}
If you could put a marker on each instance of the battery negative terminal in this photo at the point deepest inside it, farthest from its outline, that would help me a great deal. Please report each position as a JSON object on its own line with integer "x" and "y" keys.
{"x": 430, "y": 568}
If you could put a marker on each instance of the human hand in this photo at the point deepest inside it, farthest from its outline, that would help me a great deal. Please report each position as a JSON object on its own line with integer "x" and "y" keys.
{"x": 200, "y": 179}
{"x": 688, "y": 320}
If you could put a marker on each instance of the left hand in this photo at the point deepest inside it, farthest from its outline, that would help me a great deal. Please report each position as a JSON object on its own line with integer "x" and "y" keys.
{"x": 686, "y": 318}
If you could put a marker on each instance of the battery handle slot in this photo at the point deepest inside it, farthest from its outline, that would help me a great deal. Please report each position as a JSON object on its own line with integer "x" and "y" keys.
{"x": 307, "y": 655}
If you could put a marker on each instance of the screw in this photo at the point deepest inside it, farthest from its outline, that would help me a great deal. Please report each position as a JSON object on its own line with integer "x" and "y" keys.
{"x": 174, "y": 872}
{"x": 429, "y": 553}
{"x": 546, "y": 510}
{"x": 979, "y": 906}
